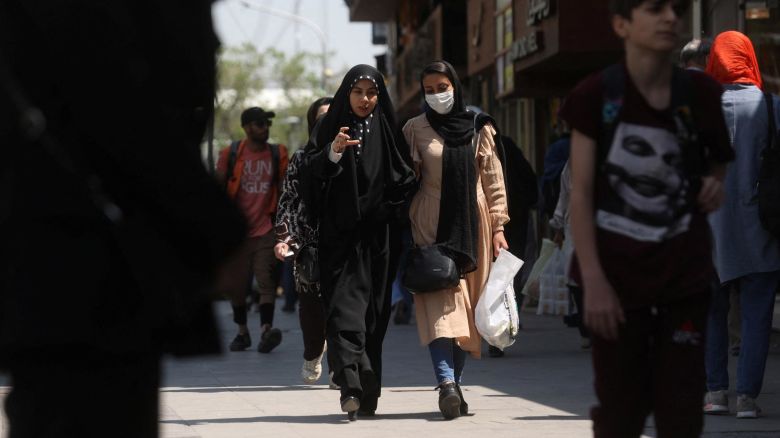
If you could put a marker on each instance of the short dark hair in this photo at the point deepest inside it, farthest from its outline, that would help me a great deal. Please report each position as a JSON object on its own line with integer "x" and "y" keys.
{"x": 311, "y": 113}
{"x": 696, "y": 50}
{"x": 625, "y": 7}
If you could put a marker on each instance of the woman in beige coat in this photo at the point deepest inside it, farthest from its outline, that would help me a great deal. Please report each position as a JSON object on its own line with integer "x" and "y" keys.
{"x": 461, "y": 206}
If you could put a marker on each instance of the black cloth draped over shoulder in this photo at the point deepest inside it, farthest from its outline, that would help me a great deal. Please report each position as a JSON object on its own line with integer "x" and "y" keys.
{"x": 458, "y": 227}
{"x": 371, "y": 179}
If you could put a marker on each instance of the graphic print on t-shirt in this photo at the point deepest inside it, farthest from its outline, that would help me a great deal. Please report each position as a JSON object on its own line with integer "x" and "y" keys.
{"x": 648, "y": 200}
{"x": 256, "y": 177}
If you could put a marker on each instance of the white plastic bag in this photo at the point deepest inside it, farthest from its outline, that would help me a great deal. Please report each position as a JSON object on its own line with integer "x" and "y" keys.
{"x": 553, "y": 293}
{"x": 496, "y": 313}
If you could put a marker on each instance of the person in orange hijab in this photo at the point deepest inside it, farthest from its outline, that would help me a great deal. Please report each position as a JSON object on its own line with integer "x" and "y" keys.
{"x": 746, "y": 255}
{"x": 733, "y": 61}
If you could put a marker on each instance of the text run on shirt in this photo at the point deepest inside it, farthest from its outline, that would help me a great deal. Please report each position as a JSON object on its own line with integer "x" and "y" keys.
{"x": 255, "y": 192}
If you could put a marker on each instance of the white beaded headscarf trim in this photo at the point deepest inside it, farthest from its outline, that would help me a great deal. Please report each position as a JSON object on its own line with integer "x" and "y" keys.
{"x": 362, "y": 127}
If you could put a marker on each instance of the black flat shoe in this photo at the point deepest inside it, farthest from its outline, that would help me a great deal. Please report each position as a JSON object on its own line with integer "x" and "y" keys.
{"x": 350, "y": 404}
{"x": 464, "y": 407}
{"x": 449, "y": 400}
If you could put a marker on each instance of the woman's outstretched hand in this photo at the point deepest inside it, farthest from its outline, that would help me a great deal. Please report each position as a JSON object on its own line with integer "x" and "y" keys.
{"x": 342, "y": 140}
{"x": 499, "y": 241}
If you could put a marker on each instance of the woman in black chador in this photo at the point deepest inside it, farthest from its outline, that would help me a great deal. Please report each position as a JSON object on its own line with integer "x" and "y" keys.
{"x": 360, "y": 178}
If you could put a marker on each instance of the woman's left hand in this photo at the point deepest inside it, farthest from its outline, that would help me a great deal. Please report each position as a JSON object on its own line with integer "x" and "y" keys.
{"x": 499, "y": 241}
{"x": 280, "y": 251}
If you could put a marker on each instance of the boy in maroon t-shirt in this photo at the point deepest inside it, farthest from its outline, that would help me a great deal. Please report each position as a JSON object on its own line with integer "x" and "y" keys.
{"x": 647, "y": 165}
{"x": 254, "y": 184}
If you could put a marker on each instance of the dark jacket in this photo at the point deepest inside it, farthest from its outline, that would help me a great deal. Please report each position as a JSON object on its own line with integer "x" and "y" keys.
{"x": 522, "y": 194}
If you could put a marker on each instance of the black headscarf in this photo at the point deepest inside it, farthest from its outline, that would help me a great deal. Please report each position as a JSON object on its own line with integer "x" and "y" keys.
{"x": 458, "y": 226}
{"x": 374, "y": 175}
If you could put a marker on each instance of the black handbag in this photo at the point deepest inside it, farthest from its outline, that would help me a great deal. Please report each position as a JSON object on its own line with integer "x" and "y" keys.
{"x": 429, "y": 269}
{"x": 307, "y": 265}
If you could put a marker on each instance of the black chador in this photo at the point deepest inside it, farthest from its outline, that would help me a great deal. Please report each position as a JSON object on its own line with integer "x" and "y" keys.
{"x": 355, "y": 198}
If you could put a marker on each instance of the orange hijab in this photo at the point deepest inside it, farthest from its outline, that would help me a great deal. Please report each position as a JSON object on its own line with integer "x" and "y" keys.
{"x": 733, "y": 60}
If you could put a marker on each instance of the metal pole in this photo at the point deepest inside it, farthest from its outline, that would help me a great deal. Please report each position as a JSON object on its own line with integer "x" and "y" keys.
{"x": 697, "y": 24}
{"x": 324, "y": 65}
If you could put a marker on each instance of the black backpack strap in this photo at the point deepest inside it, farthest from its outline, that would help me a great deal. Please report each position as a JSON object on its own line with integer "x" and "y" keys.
{"x": 232, "y": 158}
{"x": 772, "y": 137}
{"x": 613, "y": 79}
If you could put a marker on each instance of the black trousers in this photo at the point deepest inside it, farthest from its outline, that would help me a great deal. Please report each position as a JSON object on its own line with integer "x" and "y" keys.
{"x": 83, "y": 394}
{"x": 656, "y": 366}
{"x": 311, "y": 315}
{"x": 357, "y": 299}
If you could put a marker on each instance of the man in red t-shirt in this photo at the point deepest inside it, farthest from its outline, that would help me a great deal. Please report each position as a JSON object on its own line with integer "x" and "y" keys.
{"x": 647, "y": 166}
{"x": 253, "y": 183}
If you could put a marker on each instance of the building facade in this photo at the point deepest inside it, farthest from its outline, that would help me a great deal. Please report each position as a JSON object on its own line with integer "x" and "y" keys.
{"x": 518, "y": 59}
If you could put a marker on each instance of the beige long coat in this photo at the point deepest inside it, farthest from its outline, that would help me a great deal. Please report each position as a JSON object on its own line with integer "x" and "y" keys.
{"x": 450, "y": 313}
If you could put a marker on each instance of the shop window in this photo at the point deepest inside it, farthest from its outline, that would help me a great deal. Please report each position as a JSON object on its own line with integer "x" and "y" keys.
{"x": 505, "y": 72}
{"x": 762, "y": 26}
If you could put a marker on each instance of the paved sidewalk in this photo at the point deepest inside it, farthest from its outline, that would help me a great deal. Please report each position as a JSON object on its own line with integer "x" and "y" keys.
{"x": 541, "y": 388}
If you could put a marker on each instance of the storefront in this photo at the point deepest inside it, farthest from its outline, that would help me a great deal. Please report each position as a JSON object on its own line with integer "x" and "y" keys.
{"x": 543, "y": 49}
{"x": 425, "y": 35}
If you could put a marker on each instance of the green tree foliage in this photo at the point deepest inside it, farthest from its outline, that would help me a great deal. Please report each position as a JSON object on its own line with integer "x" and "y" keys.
{"x": 239, "y": 73}
{"x": 244, "y": 72}
{"x": 300, "y": 87}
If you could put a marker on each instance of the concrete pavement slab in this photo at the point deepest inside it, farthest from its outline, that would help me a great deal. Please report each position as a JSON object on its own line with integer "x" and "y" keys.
{"x": 542, "y": 387}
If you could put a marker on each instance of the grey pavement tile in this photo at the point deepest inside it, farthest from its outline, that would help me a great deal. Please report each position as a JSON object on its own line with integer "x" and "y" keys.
{"x": 541, "y": 388}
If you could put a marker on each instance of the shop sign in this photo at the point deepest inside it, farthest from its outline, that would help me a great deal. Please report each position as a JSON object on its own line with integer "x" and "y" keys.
{"x": 538, "y": 10}
{"x": 526, "y": 45}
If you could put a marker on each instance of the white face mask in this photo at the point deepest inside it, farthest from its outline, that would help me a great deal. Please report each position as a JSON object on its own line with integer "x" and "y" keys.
{"x": 442, "y": 103}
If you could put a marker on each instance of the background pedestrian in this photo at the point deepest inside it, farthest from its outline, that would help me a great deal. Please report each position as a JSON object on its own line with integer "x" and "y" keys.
{"x": 746, "y": 255}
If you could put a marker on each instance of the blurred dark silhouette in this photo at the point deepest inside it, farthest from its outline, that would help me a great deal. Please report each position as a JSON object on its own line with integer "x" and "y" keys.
{"x": 522, "y": 196}
{"x": 112, "y": 230}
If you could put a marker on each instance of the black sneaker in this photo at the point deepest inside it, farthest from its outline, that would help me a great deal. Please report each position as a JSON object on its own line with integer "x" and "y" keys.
{"x": 241, "y": 342}
{"x": 269, "y": 340}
